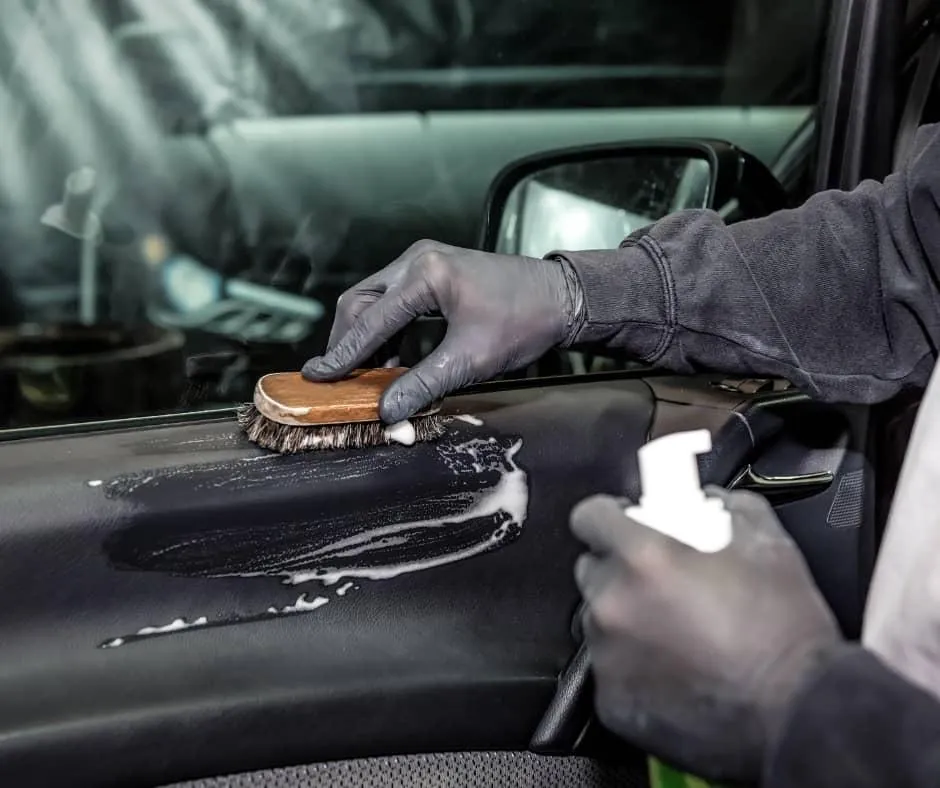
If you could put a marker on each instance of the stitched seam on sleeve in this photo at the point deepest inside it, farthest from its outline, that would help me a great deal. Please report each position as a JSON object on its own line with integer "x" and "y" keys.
{"x": 654, "y": 250}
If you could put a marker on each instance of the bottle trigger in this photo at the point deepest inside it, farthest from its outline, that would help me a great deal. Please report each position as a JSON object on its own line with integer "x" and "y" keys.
{"x": 672, "y": 500}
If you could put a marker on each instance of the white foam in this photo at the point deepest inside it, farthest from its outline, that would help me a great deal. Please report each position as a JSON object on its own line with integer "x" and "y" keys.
{"x": 95, "y": 483}
{"x": 300, "y": 606}
{"x": 176, "y": 626}
{"x": 403, "y": 432}
{"x": 510, "y": 496}
{"x": 468, "y": 419}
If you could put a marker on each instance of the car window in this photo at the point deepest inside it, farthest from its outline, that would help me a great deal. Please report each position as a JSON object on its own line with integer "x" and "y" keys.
{"x": 187, "y": 186}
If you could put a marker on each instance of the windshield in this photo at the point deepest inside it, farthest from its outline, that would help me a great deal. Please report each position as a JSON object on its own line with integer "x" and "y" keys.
{"x": 187, "y": 186}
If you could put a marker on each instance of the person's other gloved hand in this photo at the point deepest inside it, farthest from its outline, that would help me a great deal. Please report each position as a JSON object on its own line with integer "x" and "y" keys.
{"x": 695, "y": 656}
{"x": 502, "y": 314}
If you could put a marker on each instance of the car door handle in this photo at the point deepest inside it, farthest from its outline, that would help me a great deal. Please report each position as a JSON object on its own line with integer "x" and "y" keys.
{"x": 568, "y": 716}
{"x": 782, "y": 489}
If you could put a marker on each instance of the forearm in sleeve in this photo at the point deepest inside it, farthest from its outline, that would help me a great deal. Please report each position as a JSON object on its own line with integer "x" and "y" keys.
{"x": 858, "y": 724}
{"x": 839, "y": 296}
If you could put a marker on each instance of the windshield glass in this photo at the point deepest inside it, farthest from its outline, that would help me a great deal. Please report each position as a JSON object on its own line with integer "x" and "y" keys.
{"x": 187, "y": 186}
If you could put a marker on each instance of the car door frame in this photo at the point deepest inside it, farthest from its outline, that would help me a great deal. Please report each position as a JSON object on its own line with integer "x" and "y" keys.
{"x": 862, "y": 97}
{"x": 857, "y": 120}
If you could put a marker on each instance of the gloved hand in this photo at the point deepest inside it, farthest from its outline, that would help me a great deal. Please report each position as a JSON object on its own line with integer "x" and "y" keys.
{"x": 695, "y": 656}
{"x": 502, "y": 314}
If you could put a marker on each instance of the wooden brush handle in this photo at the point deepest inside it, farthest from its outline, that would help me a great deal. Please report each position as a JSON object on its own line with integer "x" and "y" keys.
{"x": 288, "y": 398}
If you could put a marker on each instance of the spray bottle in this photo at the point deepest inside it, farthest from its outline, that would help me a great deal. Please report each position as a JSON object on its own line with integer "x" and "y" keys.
{"x": 672, "y": 502}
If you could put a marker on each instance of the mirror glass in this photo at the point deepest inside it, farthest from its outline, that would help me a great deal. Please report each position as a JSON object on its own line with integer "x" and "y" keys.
{"x": 594, "y": 204}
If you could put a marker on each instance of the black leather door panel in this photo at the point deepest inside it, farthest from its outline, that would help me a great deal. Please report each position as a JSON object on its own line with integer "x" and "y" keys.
{"x": 103, "y": 536}
{"x": 152, "y": 632}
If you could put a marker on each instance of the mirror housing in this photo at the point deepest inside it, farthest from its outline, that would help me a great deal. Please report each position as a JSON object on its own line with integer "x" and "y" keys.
{"x": 592, "y": 197}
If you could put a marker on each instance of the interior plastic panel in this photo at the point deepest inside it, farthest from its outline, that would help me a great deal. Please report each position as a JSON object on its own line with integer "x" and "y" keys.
{"x": 787, "y": 437}
{"x": 104, "y": 535}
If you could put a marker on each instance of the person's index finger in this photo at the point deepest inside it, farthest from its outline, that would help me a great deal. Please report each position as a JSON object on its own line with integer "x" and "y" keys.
{"x": 598, "y": 522}
{"x": 603, "y": 524}
{"x": 354, "y": 301}
{"x": 348, "y": 311}
{"x": 370, "y": 330}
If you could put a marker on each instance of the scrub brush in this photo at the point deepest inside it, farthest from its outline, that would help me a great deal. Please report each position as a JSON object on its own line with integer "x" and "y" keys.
{"x": 291, "y": 414}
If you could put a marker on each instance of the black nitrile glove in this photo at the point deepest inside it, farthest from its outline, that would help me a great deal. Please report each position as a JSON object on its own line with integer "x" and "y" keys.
{"x": 695, "y": 655}
{"x": 502, "y": 314}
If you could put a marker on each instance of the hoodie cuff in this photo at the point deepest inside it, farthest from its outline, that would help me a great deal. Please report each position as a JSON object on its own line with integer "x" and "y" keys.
{"x": 855, "y": 722}
{"x": 629, "y": 298}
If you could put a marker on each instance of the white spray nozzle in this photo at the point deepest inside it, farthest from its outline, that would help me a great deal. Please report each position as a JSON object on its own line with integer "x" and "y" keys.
{"x": 672, "y": 500}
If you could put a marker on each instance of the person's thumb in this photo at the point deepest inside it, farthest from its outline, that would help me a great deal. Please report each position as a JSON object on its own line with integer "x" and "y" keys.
{"x": 424, "y": 384}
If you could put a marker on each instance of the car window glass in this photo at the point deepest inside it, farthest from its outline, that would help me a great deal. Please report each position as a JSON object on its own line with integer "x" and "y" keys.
{"x": 187, "y": 186}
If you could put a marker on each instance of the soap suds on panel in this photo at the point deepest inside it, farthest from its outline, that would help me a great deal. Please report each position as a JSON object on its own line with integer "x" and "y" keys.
{"x": 301, "y": 605}
{"x": 269, "y": 472}
{"x": 403, "y": 432}
{"x": 457, "y": 499}
{"x": 503, "y": 506}
{"x": 212, "y": 440}
{"x": 466, "y": 418}
{"x": 174, "y": 626}
{"x": 343, "y": 517}
{"x": 145, "y": 633}
{"x": 178, "y": 626}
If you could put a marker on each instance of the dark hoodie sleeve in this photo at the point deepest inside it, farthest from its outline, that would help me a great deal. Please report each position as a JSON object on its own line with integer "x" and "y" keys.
{"x": 857, "y": 723}
{"x": 839, "y": 296}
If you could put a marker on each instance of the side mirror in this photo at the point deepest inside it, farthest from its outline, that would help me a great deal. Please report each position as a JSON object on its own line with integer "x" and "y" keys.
{"x": 593, "y": 197}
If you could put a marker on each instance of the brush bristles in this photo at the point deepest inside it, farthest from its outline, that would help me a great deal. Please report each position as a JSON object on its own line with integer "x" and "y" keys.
{"x": 287, "y": 439}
